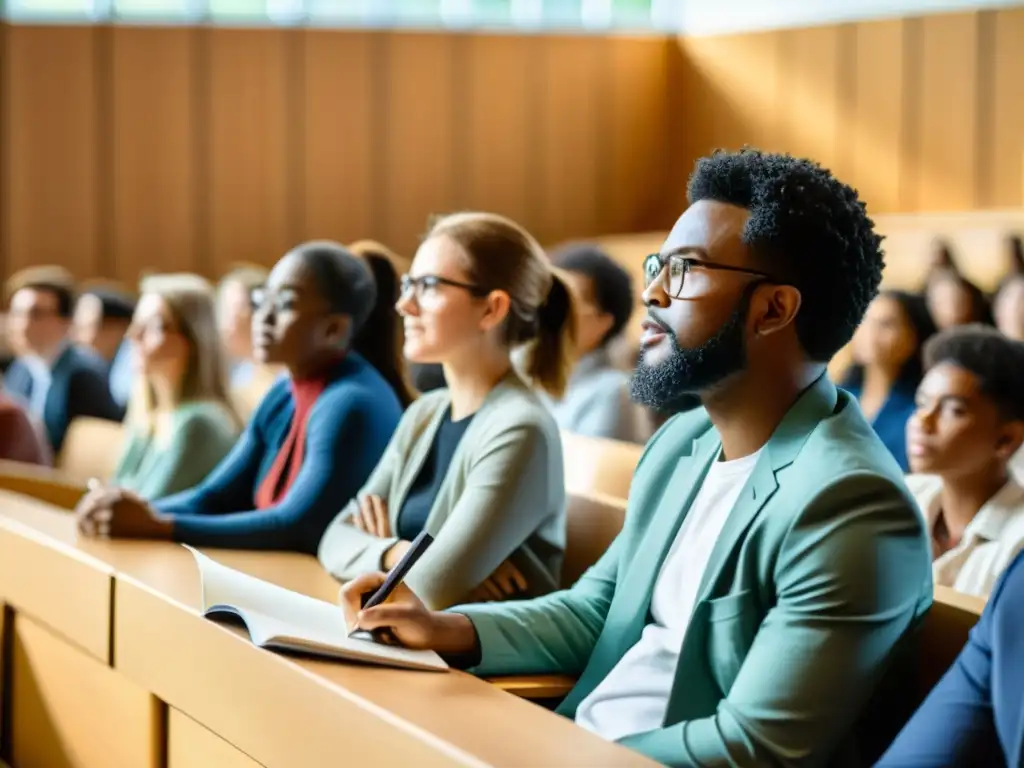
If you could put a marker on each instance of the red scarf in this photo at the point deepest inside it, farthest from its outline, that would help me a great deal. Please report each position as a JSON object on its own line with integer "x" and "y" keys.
{"x": 276, "y": 483}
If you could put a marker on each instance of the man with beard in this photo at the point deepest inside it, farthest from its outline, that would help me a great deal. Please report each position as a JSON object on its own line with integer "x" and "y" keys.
{"x": 772, "y": 566}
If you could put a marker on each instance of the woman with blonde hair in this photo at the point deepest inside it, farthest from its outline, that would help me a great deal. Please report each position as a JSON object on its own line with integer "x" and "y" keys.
{"x": 179, "y": 423}
{"x": 478, "y": 464}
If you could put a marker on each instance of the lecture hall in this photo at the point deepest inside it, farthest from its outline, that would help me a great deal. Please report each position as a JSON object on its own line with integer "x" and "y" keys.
{"x": 507, "y": 383}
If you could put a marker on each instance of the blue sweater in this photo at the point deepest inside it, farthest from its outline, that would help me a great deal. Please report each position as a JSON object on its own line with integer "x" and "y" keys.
{"x": 349, "y": 427}
{"x": 975, "y": 714}
{"x": 890, "y": 423}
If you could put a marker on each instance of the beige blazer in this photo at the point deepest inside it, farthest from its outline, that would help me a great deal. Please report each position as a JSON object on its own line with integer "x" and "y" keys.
{"x": 503, "y": 497}
{"x": 990, "y": 541}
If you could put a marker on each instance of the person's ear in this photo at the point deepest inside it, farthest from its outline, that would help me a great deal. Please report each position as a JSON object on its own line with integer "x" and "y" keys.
{"x": 773, "y": 307}
{"x": 604, "y": 321}
{"x": 337, "y": 330}
{"x": 497, "y": 305}
{"x": 1011, "y": 437}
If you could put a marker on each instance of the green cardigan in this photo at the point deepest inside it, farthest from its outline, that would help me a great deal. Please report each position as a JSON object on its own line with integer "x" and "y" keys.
{"x": 202, "y": 433}
{"x": 797, "y": 652}
{"x": 503, "y": 497}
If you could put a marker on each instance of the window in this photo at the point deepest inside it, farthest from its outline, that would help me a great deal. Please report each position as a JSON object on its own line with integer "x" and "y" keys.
{"x": 56, "y": 10}
{"x": 526, "y": 15}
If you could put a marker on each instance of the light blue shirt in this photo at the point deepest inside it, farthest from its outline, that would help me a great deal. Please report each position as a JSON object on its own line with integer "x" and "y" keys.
{"x": 596, "y": 402}
{"x": 41, "y": 371}
{"x": 121, "y": 374}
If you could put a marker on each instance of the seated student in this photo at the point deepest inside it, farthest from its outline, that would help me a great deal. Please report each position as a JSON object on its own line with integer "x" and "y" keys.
{"x": 478, "y": 464}
{"x": 21, "y": 439}
{"x": 57, "y": 381}
{"x": 1008, "y": 304}
{"x": 975, "y": 714}
{"x": 887, "y": 365}
{"x": 969, "y": 422}
{"x": 234, "y": 320}
{"x": 951, "y": 298}
{"x": 758, "y": 605}
{"x": 317, "y": 434}
{"x": 181, "y": 425}
{"x": 99, "y": 324}
{"x": 596, "y": 401}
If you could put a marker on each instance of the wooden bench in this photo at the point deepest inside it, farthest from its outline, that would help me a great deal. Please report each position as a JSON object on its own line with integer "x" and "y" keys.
{"x": 595, "y": 465}
{"x": 92, "y": 448}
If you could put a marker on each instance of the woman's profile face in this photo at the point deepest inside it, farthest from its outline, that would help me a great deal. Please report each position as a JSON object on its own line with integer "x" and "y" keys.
{"x": 441, "y": 312}
{"x": 886, "y": 337}
{"x": 949, "y": 302}
{"x": 1009, "y": 309}
{"x": 157, "y": 341}
{"x": 291, "y": 321}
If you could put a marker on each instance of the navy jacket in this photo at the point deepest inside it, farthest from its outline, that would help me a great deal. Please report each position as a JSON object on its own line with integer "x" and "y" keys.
{"x": 349, "y": 427}
{"x": 975, "y": 715}
{"x": 79, "y": 387}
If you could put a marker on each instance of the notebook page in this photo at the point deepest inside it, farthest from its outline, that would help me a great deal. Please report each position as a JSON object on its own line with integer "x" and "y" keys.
{"x": 250, "y": 596}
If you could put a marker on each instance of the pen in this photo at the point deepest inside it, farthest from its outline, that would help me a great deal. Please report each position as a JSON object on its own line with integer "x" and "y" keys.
{"x": 397, "y": 574}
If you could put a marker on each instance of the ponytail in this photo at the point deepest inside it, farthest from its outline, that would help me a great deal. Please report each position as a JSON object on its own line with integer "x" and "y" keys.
{"x": 554, "y": 347}
{"x": 380, "y": 339}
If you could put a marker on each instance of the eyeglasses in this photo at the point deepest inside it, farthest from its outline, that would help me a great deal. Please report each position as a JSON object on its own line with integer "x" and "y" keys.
{"x": 680, "y": 266}
{"x": 423, "y": 285}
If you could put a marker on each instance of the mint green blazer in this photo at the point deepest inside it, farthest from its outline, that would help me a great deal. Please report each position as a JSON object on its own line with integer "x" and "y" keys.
{"x": 810, "y": 597}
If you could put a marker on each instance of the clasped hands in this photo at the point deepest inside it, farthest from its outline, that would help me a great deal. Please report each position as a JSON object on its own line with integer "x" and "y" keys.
{"x": 371, "y": 517}
{"x": 114, "y": 513}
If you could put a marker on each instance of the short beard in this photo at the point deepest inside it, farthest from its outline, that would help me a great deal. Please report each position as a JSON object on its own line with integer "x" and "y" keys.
{"x": 674, "y": 386}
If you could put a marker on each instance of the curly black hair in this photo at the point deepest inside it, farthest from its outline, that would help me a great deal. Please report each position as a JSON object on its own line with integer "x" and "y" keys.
{"x": 995, "y": 360}
{"x": 613, "y": 287}
{"x": 809, "y": 229}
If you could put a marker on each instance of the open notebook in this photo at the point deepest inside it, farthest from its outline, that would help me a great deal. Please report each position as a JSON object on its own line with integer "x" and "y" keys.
{"x": 279, "y": 619}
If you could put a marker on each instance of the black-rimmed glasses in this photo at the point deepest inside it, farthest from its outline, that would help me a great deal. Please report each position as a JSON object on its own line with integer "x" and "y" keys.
{"x": 680, "y": 266}
{"x": 424, "y": 284}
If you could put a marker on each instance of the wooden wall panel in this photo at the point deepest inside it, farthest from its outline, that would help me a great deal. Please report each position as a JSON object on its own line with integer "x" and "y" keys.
{"x": 574, "y": 104}
{"x": 637, "y": 132}
{"x": 418, "y": 124}
{"x": 808, "y": 87}
{"x": 1006, "y": 157}
{"x": 876, "y": 112}
{"x": 154, "y": 173}
{"x": 947, "y": 121}
{"x": 250, "y": 153}
{"x": 920, "y": 114}
{"x": 502, "y": 111}
{"x": 341, "y": 141}
{"x": 731, "y": 106}
{"x": 52, "y": 162}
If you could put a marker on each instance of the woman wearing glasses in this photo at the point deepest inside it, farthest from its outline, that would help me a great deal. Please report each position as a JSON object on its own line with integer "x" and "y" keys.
{"x": 479, "y": 464}
{"x": 317, "y": 434}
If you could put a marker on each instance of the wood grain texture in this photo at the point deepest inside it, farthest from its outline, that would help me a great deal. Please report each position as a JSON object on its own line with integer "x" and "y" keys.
{"x": 249, "y": 155}
{"x": 154, "y": 144}
{"x": 418, "y": 122}
{"x": 342, "y": 141}
{"x": 947, "y": 122}
{"x": 1006, "y": 173}
{"x": 877, "y": 114}
{"x": 52, "y": 163}
{"x": 72, "y": 711}
{"x": 190, "y": 745}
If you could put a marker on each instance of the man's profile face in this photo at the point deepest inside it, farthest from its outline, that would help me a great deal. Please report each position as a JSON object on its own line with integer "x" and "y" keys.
{"x": 34, "y": 324}
{"x": 693, "y": 342}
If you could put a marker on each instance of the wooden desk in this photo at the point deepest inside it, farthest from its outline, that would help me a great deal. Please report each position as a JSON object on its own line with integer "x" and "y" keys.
{"x": 203, "y": 694}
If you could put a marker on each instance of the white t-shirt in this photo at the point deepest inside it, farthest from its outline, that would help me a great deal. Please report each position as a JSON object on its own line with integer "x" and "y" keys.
{"x": 634, "y": 696}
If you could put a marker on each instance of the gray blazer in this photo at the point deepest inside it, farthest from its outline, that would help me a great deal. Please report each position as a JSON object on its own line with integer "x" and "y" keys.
{"x": 502, "y": 498}
{"x": 596, "y": 403}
